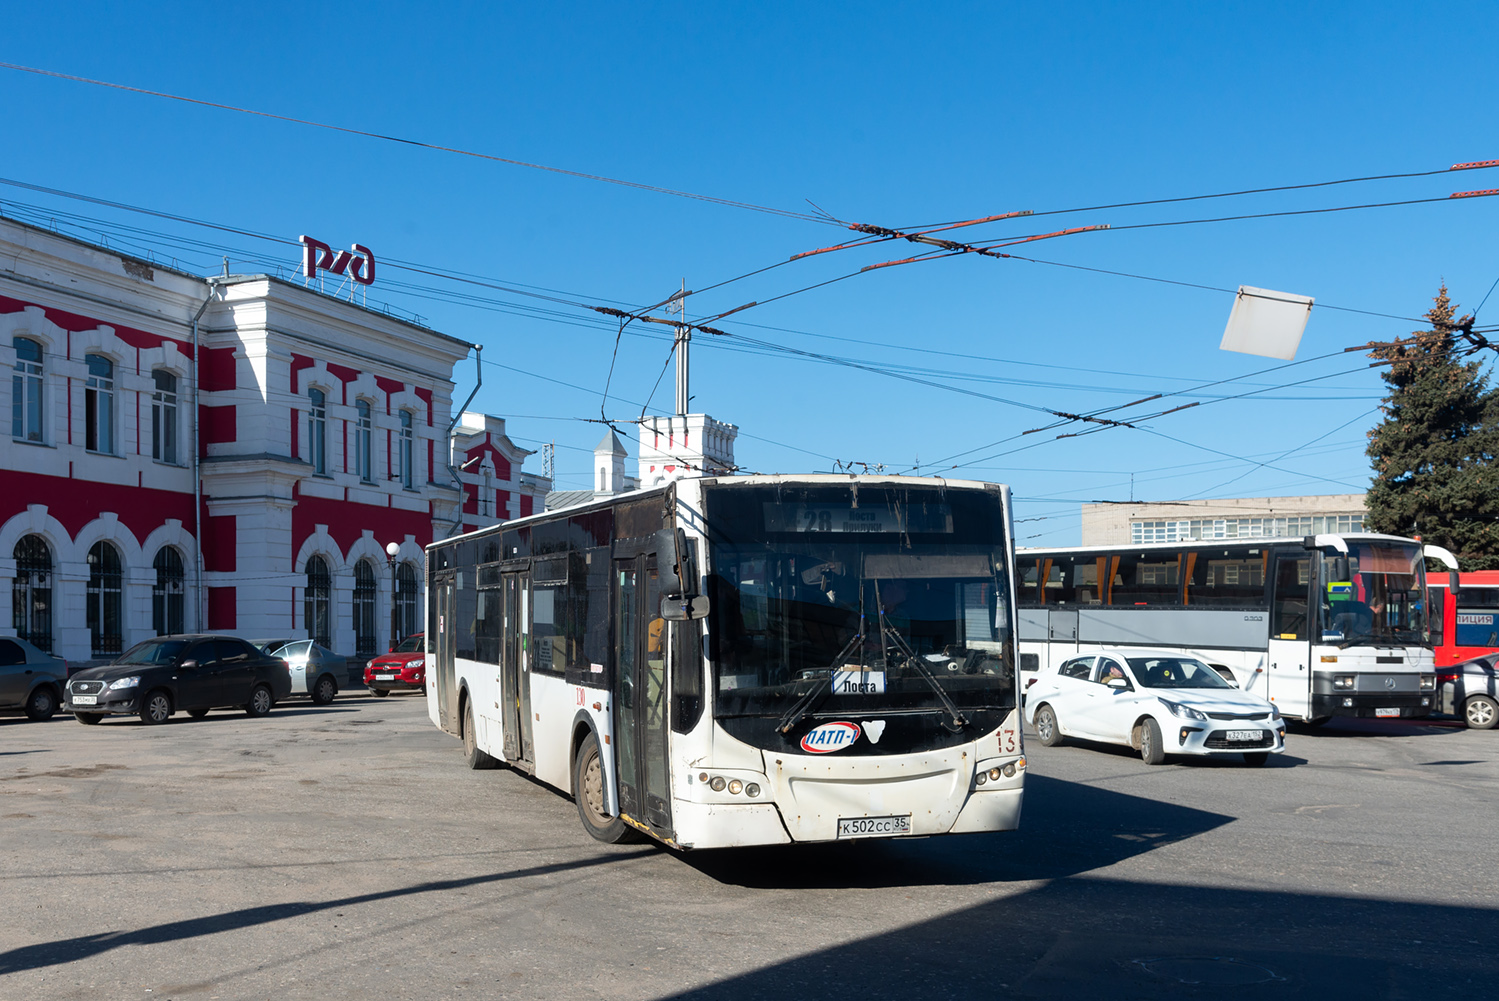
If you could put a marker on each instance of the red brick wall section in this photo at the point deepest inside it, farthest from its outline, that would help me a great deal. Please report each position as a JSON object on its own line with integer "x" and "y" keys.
{"x": 75, "y": 503}
{"x": 220, "y": 424}
{"x": 223, "y": 608}
{"x": 218, "y": 369}
{"x": 219, "y": 537}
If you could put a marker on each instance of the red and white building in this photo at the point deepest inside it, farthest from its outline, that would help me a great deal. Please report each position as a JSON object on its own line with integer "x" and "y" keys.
{"x": 322, "y": 437}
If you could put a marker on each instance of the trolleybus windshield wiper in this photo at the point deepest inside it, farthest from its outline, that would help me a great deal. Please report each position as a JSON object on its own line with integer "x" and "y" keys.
{"x": 820, "y": 688}
{"x": 892, "y": 637}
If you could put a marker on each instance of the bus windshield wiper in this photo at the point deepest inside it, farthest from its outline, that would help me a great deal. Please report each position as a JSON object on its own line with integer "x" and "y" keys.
{"x": 893, "y": 638}
{"x": 820, "y": 688}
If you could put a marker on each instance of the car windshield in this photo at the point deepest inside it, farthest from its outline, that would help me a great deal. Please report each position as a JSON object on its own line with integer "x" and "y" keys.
{"x": 411, "y": 644}
{"x": 823, "y": 600}
{"x": 1175, "y": 672}
{"x": 153, "y": 652}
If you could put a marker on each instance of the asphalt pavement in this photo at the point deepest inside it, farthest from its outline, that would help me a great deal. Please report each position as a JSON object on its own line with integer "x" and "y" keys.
{"x": 345, "y": 852}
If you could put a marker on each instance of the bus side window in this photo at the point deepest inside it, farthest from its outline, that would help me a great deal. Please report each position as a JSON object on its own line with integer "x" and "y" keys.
{"x": 686, "y": 675}
{"x": 1289, "y": 603}
{"x": 1436, "y": 609}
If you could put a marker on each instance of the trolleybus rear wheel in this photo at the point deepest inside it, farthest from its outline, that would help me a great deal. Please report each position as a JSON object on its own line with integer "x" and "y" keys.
{"x": 475, "y": 757}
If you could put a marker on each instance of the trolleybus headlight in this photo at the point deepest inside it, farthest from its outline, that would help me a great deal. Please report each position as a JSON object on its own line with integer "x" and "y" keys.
{"x": 752, "y": 790}
{"x": 981, "y": 778}
{"x": 1347, "y": 703}
{"x": 702, "y": 776}
{"x": 717, "y": 784}
{"x": 1343, "y": 681}
{"x": 1428, "y": 682}
{"x": 736, "y": 787}
{"x": 1009, "y": 770}
{"x": 994, "y": 774}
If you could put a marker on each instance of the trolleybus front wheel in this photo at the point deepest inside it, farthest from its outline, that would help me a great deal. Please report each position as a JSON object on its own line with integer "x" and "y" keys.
{"x": 588, "y": 790}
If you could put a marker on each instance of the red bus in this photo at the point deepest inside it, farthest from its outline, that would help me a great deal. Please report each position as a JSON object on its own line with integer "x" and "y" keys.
{"x": 1464, "y": 625}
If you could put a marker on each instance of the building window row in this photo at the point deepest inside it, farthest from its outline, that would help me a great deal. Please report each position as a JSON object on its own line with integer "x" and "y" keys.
{"x": 1144, "y": 532}
{"x": 317, "y": 604}
{"x": 100, "y": 419}
{"x": 401, "y": 459}
{"x": 32, "y": 603}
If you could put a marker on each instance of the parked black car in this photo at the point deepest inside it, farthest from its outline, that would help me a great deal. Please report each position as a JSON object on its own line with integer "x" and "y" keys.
{"x": 155, "y": 678}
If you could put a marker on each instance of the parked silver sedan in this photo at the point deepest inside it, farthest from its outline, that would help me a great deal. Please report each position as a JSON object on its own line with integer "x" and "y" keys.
{"x": 31, "y": 681}
{"x": 1470, "y": 690}
{"x": 315, "y": 669}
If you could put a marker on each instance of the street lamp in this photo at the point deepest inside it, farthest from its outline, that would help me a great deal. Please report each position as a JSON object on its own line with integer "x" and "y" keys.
{"x": 392, "y": 550}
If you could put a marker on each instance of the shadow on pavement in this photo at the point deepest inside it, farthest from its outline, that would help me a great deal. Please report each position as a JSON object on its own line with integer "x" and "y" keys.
{"x": 1100, "y": 940}
{"x": 1067, "y": 828}
{"x": 44, "y": 954}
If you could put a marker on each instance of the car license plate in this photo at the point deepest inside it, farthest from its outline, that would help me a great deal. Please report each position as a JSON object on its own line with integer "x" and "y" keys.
{"x": 1245, "y": 734}
{"x": 85, "y": 700}
{"x": 385, "y": 677}
{"x": 873, "y": 827}
{"x": 1387, "y": 712}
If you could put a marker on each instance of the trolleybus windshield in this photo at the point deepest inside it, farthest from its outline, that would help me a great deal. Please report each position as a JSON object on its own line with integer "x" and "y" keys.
{"x": 827, "y": 600}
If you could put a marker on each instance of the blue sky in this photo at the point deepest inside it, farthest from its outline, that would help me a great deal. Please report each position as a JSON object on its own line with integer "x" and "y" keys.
{"x": 892, "y": 114}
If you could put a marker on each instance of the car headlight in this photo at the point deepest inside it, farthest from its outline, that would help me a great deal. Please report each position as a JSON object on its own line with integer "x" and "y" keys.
{"x": 1274, "y": 711}
{"x": 130, "y": 682}
{"x": 1185, "y": 712}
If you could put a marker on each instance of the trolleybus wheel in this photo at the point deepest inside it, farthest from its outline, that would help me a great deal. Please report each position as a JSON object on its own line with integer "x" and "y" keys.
{"x": 1046, "y": 727}
{"x": 588, "y": 790}
{"x": 1480, "y": 712}
{"x": 1152, "y": 751}
{"x": 471, "y": 752}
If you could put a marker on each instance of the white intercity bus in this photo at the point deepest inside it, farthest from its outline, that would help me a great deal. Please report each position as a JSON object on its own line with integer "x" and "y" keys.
{"x": 1322, "y": 626}
{"x": 743, "y": 660}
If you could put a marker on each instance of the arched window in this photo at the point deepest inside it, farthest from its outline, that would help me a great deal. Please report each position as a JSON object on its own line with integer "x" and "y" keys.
{"x": 318, "y": 603}
{"x": 166, "y": 596}
{"x": 103, "y": 598}
{"x": 99, "y": 405}
{"x": 164, "y": 417}
{"x": 26, "y": 391}
{"x": 364, "y": 609}
{"x": 405, "y": 601}
{"x": 404, "y": 452}
{"x": 317, "y": 431}
{"x": 31, "y": 594}
{"x": 362, "y": 451}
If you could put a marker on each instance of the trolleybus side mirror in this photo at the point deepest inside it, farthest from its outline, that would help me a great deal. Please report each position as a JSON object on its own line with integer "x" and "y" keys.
{"x": 674, "y": 557}
{"x": 1452, "y": 583}
{"x": 677, "y": 608}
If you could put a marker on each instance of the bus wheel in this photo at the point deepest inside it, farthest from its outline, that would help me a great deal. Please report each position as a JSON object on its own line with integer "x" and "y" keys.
{"x": 1152, "y": 751}
{"x": 588, "y": 790}
{"x": 471, "y": 753}
{"x": 1046, "y": 727}
{"x": 1481, "y": 712}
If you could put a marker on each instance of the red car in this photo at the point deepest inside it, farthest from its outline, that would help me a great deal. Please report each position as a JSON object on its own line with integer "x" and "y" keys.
{"x": 404, "y": 669}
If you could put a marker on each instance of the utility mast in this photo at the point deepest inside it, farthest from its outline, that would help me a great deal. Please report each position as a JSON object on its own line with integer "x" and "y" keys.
{"x": 684, "y": 341}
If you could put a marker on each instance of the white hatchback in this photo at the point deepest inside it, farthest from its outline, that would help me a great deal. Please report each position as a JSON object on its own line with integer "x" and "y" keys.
{"x": 1155, "y": 701}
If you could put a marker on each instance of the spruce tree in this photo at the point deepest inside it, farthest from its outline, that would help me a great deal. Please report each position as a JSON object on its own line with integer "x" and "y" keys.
{"x": 1434, "y": 453}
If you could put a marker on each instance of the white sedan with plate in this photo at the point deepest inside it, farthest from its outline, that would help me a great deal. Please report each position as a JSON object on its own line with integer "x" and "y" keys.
{"x": 1155, "y": 701}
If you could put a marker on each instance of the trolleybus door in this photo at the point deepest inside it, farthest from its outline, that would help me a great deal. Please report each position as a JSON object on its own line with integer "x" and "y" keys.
{"x": 445, "y": 600}
{"x": 1289, "y": 653}
{"x": 515, "y": 666}
{"x": 640, "y": 702}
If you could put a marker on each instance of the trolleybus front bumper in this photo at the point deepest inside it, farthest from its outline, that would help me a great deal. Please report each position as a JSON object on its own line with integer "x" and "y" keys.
{"x": 1365, "y": 704}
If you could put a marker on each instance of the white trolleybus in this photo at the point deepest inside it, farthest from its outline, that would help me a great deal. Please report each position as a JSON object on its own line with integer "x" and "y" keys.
{"x": 1322, "y": 626}
{"x": 743, "y": 661}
